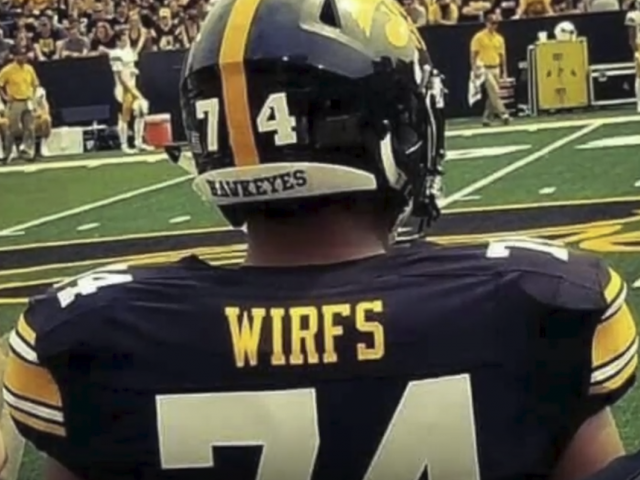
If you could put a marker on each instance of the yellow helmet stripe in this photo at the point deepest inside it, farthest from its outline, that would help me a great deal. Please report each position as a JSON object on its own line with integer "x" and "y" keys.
{"x": 234, "y": 82}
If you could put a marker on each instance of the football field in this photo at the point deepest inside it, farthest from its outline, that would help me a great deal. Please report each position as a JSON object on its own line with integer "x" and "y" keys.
{"x": 573, "y": 179}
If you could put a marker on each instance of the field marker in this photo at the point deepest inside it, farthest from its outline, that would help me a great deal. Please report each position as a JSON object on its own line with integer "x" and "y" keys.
{"x": 547, "y": 190}
{"x": 503, "y": 172}
{"x": 637, "y": 184}
{"x": 181, "y": 219}
{"x": 87, "y": 226}
{"x": 470, "y": 198}
{"x": 636, "y": 284}
{"x": 90, "y": 206}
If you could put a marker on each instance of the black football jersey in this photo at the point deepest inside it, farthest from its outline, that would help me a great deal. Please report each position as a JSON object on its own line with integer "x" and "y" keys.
{"x": 428, "y": 362}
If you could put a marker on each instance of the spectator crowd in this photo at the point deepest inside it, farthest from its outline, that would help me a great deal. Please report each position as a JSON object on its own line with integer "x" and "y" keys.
{"x": 53, "y": 29}
{"x": 450, "y": 12}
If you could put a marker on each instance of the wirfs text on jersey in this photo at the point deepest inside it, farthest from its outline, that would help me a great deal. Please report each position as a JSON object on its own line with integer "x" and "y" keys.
{"x": 306, "y": 335}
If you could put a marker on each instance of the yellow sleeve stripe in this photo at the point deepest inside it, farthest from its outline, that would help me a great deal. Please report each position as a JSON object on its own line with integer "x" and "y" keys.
{"x": 36, "y": 423}
{"x": 31, "y": 382}
{"x": 617, "y": 303}
{"x": 613, "y": 288}
{"x": 619, "y": 379}
{"x": 612, "y": 339}
{"x": 22, "y": 348}
{"x": 612, "y": 369}
{"x": 25, "y": 331}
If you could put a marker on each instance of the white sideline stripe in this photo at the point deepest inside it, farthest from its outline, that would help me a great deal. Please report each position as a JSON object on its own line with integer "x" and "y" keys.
{"x": 53, "y": 165}
{"x": 535, "y": 127}
{"x": 503, "y": 172}
{"x": 91, "y": 206}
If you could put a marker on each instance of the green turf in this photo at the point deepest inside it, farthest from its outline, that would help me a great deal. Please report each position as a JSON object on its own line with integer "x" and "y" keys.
{"x": 576, "y": 174}
{"x": 461, "y": 173}
{"x": 147, "y": 213}
{"x": 37, "y": 194}
{"x": 152, "y": 212}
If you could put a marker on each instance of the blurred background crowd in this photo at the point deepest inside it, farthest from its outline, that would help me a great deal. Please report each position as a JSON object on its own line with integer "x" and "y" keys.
{"x": 53, "y": 29}
{"x": 451, "y": 12}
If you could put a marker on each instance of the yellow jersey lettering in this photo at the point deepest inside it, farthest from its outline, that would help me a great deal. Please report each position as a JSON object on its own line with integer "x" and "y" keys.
{"x": 330, "y": 330}
{"x": 303, "y": 338}
{"x": 371, "y": 326}
{"x": 245, "y": 328}
{"x": 277, "y": 341}
{"x": 305, "y": 334}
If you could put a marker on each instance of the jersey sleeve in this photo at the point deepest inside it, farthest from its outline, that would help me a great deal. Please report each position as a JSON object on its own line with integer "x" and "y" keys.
{"x": 590, "y": 333}
{"x": 40, "y": 385}
{"x": 614, "y": 352}
{"x": 31, "y": 394}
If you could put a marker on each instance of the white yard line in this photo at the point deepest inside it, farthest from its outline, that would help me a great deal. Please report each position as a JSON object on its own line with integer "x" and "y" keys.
{"x": 515, "y": 166}
{"x": 528, "y": 126}
{"x": 81, "y": 162}
{"x": 90, "y": 206}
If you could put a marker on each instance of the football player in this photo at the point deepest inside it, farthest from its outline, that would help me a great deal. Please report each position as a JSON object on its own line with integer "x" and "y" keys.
{"x": 329, "y": 354}
{"x": 133, "y": 105}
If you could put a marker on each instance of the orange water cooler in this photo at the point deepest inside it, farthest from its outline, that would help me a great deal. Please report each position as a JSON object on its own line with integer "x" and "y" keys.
{"x": 157, "y": 130}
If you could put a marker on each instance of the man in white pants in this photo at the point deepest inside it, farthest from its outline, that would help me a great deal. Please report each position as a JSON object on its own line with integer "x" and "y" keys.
{"x": 133, "y": 105}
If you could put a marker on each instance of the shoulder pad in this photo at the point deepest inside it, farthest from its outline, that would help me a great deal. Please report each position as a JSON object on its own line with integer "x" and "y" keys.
{"x": 555, "y": 275}
{"x": 52, "y": 324}
{"x": 583, "y": 285}
{"x": 70, "y": 315}
{"x": 89, "y": 294}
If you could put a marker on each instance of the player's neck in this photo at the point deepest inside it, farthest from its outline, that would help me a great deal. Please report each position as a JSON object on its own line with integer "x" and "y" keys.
{"x": 321, "y": 241}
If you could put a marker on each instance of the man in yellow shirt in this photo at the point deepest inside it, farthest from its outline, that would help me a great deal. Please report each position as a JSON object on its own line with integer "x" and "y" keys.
{"x": 18, "y": 81}
{"x": 489, "y": 58}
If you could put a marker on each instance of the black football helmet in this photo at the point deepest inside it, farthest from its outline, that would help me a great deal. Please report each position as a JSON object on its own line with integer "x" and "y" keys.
{"x": 291, "y": 99}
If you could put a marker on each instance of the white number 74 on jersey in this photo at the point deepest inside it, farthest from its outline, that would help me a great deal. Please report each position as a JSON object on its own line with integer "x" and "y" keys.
{"x": 432, "y": 428}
